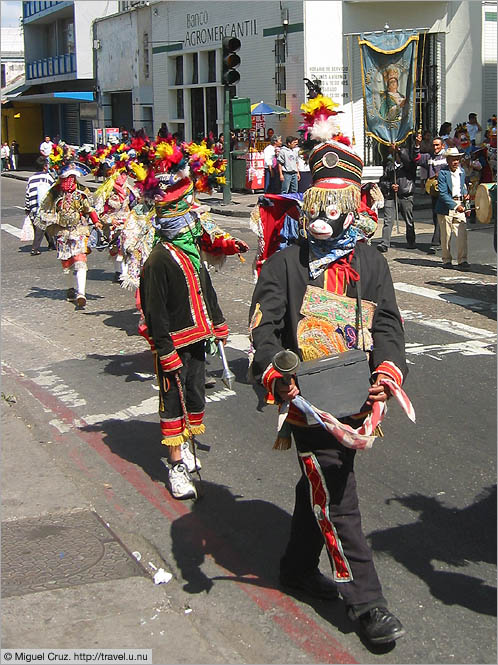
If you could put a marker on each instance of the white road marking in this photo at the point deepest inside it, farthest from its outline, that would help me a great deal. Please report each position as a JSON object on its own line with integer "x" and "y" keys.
{"x": 220, "y": 395}
{"x": 145, "y": 408}
{"x": 468, "y": 348}
{"x": 55, "y": 385}
{"x": 480, "y": 282}
{"x": 442, "y": 295}
{"x": 13, "y": 230}
{"x": 446, "y": 325}
{"x": 239, "y": 342}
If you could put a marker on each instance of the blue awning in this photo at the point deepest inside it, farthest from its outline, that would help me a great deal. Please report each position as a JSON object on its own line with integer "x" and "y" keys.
{"x": 56, "y": 97}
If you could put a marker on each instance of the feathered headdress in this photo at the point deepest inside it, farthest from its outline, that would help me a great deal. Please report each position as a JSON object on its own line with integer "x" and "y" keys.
{"x": 335, "y": 168}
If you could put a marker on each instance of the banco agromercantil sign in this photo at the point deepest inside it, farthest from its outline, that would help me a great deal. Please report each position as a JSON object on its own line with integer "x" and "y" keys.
{"x": 199, "y": 32}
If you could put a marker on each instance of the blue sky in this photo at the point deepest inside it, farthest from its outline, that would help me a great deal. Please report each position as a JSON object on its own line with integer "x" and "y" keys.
{"x": 11, "y": 12}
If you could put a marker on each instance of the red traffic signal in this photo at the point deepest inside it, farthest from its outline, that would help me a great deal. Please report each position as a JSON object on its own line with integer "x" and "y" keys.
{"x": 230, "y": 60}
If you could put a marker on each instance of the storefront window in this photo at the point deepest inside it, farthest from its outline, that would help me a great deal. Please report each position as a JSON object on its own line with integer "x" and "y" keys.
{"x": 212, "y": 111}
{"x": 179, "y": 104}
{"x": 195, "y": 68}
{"x": 179, "y": 70}
{"x": 197, "y": 113}
{"x": 211, "y": 66}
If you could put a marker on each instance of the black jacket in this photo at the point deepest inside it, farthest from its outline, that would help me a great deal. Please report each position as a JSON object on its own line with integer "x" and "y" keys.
{"x": 180, "y": 307}
{"x": 279, "y": 294}
{"x": 406, "y": 173}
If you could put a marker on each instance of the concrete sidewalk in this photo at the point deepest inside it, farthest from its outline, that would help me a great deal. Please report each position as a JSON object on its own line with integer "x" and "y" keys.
{"x": 240, "y": 206}
{"x": 56, "y": 590}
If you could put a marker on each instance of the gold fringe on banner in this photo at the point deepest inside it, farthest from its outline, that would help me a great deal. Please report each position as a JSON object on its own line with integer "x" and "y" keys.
{"x": 347, "y": 199}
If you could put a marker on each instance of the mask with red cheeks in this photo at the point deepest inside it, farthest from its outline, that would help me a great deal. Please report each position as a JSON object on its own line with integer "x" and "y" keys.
{"x": 68, "y": 184}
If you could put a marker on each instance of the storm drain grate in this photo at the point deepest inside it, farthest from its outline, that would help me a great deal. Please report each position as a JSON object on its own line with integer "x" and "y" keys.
{"x": 57, "y": 551}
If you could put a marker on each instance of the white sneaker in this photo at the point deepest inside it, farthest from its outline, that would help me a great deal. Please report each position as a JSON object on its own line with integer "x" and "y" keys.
{"x": 181, "y": 483}
{"x": 189, "y": 460}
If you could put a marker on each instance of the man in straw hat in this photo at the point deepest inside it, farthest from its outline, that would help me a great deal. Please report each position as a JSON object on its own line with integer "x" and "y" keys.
{"x": 451, "y": 210}
{"x": 331, "y": 257}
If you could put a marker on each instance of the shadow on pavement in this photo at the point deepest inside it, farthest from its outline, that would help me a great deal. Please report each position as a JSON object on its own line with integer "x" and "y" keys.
{"x": 125, "y": 319}
{"x": 437, "y": 263}
{"x": 137, "y": 441}
{"x": 135, "y": 366}
{"x": 54, "y": 294}
{"x": 484, "y": 292}
{"x": 444, "y": 537}
{"x": 245, "y": 537}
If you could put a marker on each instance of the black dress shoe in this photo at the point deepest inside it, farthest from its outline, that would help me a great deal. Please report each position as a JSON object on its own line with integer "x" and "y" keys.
{"x": 464, "y": 266}
{"x": 411, "y": 245}
{"x": 314, "y": 584}
{"x": 382, "y": 248}
{"x": 380, "y": 626}
{"x": 447, "y": 266}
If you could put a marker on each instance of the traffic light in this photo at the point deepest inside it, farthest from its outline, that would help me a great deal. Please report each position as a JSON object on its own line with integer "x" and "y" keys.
{"x": 230, "y": 75}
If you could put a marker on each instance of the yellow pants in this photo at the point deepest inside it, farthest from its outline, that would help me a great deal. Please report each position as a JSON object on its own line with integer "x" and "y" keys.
{"x": 457, "y": 226}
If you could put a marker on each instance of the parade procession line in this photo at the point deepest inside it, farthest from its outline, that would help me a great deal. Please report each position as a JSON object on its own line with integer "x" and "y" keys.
{"x": 283, "y": 611}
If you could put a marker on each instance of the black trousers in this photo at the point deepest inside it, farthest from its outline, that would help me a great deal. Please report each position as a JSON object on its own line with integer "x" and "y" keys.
{"x": 327, "y": 513}
{"x": 39, "y": 233}
{"x": 192, "y": 378}
{"x": 436, "y": 236}
{"x": 405, "y": 209}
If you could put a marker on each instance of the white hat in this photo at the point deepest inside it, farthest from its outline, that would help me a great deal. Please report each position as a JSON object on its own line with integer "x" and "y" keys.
{"x": 453, "y": 152}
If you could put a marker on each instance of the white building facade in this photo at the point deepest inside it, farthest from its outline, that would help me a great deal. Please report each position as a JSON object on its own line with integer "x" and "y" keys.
{"x": 281, "y": 44}
{"x": 12, "y": 55}
{"x": 59, "y": 57}
{"x": 124, "y": 68}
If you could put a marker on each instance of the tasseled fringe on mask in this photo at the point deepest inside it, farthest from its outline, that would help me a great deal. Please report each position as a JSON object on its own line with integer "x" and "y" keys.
{"x": 173, "y": 441}
{"x": 283, "y": 440}
{"x": 282, "y": 443}
{"x": 347, "y": 199}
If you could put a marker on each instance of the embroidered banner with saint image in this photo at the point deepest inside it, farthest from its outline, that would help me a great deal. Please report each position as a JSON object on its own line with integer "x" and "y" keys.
{"x": 389, "y": 72}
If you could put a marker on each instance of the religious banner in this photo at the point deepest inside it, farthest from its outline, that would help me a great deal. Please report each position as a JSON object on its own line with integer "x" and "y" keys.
{"x": 388, "y": 71}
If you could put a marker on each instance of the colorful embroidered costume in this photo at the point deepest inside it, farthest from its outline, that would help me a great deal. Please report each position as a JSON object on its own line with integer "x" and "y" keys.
{"x": 288, "y": 312}
{"x": 179, "y": 305}
{"x": 67, "y": 213}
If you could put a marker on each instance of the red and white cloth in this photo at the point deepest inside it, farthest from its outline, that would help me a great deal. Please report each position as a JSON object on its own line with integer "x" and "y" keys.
{"x": 361, "y": 437}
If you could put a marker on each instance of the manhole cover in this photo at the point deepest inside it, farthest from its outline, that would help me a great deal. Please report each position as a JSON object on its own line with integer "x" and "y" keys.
{"x": 61, "y": 551}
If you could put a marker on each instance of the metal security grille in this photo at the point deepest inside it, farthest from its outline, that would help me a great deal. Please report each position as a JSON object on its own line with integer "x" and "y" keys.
{"x": 71, "y": 124}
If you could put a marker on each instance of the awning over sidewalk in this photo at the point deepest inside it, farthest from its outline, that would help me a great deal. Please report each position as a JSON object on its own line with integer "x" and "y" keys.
{"x": 55, "y": 97}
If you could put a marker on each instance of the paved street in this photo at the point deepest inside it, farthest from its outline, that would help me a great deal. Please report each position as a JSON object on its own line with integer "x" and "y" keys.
{"x": 85, "y": 414}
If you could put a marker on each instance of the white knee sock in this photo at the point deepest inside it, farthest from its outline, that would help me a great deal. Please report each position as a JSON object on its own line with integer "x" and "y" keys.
{"x": 81, "y": 280}
{"x": 118, "y": 264}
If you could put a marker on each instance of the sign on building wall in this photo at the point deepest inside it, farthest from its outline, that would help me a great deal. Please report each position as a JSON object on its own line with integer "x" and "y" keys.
{"x": 334, "y": 82}
{"x": 258, "y": 127}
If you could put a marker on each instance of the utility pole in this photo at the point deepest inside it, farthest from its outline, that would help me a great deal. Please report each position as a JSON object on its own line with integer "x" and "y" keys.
{"x": 230, "y": 76}
{"x": 227, "y": 187}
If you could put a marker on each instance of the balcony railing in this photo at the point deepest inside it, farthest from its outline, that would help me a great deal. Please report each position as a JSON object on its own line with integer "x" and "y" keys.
{"x": 55, "y": 66}
{"x": 30, "y": 9}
